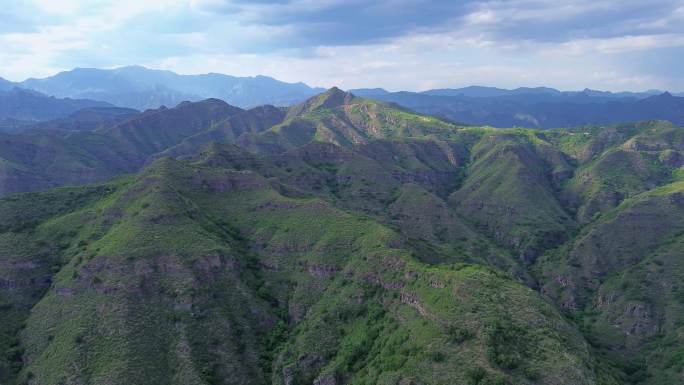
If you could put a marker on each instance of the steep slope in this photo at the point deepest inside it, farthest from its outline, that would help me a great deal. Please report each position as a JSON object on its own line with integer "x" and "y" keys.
{"x": 249, "y": 122}
{"x": 29, "y": 257}
{"x": 617, "y": 162}
{"x": 87, "y": 119}
{"x": 155, "y": 130}
{"x": 343, "y": 119}
{"x": 132, "y": 270}
{"x": 26, "y": 105}
{"x": 406, "y": 191}
{"x": 41, "y": 159}
{"x": 335, "y": 117}
{"x": 510, "y": 192}
{"x": 622, "y": 278}
{"x": 341, "y": 241}
{"x": 203, "y": 274}
{"x": 141, "y": 88}
{"x": 398, "y": 147}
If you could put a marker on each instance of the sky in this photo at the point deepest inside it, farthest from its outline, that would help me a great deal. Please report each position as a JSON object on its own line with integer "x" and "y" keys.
{"x": 611, "y": 45}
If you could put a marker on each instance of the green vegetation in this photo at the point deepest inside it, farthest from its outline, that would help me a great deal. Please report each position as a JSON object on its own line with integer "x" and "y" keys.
{"x": 345, "y": 241}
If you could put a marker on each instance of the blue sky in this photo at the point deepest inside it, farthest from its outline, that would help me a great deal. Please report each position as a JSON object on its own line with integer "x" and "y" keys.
{"x": 396, "y": 44}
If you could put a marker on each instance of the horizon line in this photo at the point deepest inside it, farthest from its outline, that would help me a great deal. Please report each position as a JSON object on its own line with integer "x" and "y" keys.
{"x": 654, "y": 91}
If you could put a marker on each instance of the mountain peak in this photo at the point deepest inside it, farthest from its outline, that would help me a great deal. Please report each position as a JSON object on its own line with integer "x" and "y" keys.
{"x": 664, "y": 97}
{"x": 332, "y": 98}
{"x": 5, "y": 84}
{"x": 210, "y": 104}
{"x": 133, "y": 67}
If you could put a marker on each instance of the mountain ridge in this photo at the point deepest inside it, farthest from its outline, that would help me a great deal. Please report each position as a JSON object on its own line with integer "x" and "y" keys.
{"x": 6, "y": 85}
{"x": 141, "y": 88}
{"x": 540, "y": 109}
{"x": 481, "y": 91}
{"x": 341, "y": 241}
{"x": 25, "y": 106}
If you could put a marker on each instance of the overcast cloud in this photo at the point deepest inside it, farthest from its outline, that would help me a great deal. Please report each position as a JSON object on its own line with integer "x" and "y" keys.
{"x": 396, "y": 44}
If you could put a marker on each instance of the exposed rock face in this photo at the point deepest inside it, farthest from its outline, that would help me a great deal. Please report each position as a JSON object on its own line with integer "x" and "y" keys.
{"x": 328, "y": 379}
{"x": 351, "y": 242}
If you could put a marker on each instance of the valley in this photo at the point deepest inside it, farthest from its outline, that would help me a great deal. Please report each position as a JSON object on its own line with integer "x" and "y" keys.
{"x": 341, "y": 240}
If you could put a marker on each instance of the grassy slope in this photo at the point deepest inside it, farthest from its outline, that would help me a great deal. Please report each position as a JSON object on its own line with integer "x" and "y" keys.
{"x": 520, "y": 208}
{"x": 363, "y": 204}
{"x": 621, "y": 277}
{"x": 402, "y": 186}
{"x": 510, "y": 192}
{"x": 153, "y": 292}
{"x": 365, "y": 270}
{"x": 617, "y": 162}
{"x": 202, "y": 274}
{"x": 341, "y": 118}
{"x": 42, "y": 159}
{"x": 29, "y": 255}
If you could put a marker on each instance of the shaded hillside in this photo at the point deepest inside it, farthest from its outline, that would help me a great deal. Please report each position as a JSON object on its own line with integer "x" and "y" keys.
{"x": 40, "y": 159}
{"x": 251, "y": 121}
{"x": 87, "y": 119}
{"x": 343, "y": 119}
{"x": 207, "y": 273}
{"x": 621, "y": 276}
{"x": 183, "y": 130}
{"x": 341, "y": 241}
{"x": 22, "y": 105}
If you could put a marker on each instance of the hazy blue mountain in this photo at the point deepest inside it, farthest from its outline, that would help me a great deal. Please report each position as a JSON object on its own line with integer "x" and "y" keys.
{"x": 20, "y": 106}
{"x": 369, "y": 91}
{"x": 87, "y": 119}
{"x": 6, "y": 85}
{"x": 518, "y": 95}
{"x": 43, "y": 158}
{"x": 486, "y": 92}
{"x": 471, "y": 91}
{"x": 542, "y": 108}
{"x": 143, "y": 88}
{"x": 13, "y": 125}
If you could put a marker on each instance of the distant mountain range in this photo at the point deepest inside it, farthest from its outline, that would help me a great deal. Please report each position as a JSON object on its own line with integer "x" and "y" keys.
{"x": 6, "y": 84}
{"x": 142, "y": 88}
{"x": 340, "y": 241}
{"x": 528, "y": 92}
{"x": 536, "y": 107}
{"x": 20, "y": 107}
{"x": 24, "y": 103}
{"x": 478, "y": 91}
{"x": 86, "y": 119}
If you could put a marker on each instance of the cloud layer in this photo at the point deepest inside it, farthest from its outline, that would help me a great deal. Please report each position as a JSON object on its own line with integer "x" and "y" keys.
{"x": 397, "y": 44}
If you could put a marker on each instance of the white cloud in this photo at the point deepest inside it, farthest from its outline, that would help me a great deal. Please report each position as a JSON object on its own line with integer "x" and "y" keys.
{"x": 419, "y": 62}
{"x": 611, "y": 46}
{"x": 63, "y": 7}
{"x": 504, "y": 43}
